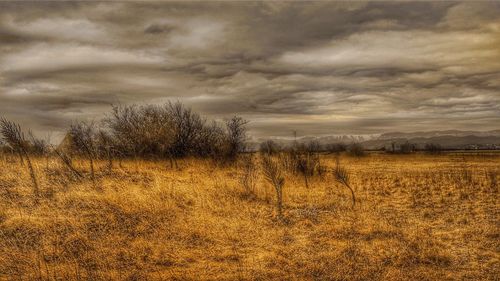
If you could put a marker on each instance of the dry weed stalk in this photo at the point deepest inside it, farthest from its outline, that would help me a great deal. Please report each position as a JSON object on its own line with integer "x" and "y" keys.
{"x": 342, "y": 177}
{"x": 15, "y": 138}
{"x": 83, "y": 137}
{"x": 273, "y": 174}
{"x": 68, "y": 162}
{"x": 309, "y": 165}
{"x": 107, "y": 145}
{"x": 249, "y": 178}
{"x": 492, "y": 175}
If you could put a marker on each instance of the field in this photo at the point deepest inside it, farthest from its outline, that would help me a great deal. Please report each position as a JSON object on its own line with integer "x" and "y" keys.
{"x": 417, "y": 217}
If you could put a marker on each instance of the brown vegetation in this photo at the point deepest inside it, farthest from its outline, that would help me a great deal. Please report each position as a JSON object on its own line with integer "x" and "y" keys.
{"x": 417, "y": 217}
{"x": 215, "y": 213}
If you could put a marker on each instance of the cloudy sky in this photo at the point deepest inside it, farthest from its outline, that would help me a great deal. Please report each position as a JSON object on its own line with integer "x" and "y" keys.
{"x": 316, "y": 67}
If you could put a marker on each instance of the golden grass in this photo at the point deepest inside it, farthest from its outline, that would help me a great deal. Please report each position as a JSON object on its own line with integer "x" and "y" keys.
{"x": 417, "y": 217}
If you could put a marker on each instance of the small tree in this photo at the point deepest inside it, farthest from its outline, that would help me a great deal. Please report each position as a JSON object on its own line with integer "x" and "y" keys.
{"x": 273, "y": 175}
{"x": 14, "y": 137}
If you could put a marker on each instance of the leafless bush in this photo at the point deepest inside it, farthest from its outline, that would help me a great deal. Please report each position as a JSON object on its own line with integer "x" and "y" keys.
{"x": 83, "y": 136}
{"x": 172, "y": 131}
{"x": 403, "y": 148}
{"x": 212, "y": 143}
{"x": 14, "y": 137}
{"x": 106, "y": 148}
{"x": 236, "y": 135}
{"x": 342, "y": 176}
{"x": 274, "y": 175}
{"x": 288, "y": 159}
{"x": 188, "y": 127}
{"x": 270, "y": 147}
{"x": 407, "y": 148}
{"x": 303, "y": 160}
{"x": 308, "y": 165}
{"x": 140, "y": 131}
{"x": 313, "y": 147}
{"x": 335, "y": 147}
{"x": 433, "y": 148}
{"x": 356, "y": 149}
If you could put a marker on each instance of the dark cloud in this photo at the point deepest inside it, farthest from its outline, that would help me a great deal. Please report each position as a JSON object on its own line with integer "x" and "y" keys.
{"x": 317, "y": 67}
{"x": 158, "y": 28}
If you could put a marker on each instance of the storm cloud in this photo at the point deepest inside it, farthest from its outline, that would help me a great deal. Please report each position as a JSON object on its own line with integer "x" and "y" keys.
{"x": 316, "y": 67}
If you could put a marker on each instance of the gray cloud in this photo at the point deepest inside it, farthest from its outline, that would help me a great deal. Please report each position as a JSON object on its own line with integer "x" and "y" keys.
{"x": 316, "y": 67}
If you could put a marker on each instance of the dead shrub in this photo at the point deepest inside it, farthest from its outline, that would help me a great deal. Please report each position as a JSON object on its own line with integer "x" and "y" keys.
{"x": 303, "y": 160}
{"x": 356, "y": 150}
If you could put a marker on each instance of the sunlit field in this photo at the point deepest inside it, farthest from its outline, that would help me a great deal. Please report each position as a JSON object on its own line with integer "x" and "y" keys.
{"x": 416, "y": 217}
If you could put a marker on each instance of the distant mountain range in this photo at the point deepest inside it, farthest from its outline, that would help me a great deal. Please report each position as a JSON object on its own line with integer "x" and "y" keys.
{"x": 451, "y": 139}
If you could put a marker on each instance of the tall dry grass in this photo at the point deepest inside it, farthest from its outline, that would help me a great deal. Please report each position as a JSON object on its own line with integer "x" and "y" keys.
{"x": 417, "y": 217}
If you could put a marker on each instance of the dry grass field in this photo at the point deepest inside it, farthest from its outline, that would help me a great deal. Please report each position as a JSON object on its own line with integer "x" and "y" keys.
{"x": 417, "y": 217}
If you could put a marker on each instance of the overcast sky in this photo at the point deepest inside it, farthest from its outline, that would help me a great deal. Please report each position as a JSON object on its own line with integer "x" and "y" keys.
{"x": 319, "y": 68}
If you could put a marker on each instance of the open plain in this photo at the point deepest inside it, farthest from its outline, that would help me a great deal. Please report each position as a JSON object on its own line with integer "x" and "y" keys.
{"x": 416, "y": 217}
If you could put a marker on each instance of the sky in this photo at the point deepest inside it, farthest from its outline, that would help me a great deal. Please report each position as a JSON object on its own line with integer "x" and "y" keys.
{"x": 318, "y": 68}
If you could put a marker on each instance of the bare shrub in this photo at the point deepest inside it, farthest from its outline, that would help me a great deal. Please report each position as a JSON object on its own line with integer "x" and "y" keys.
{"x": 302, "y": 159}
{"x": 187, "y": 127}
{"x": 106, "y": 148}
{"x": 356, "y": 149}
{"x": 270, "y": 147}
{"x": 403, "y": 148}
{"x": 83, "y": 136}
{"x": 433, "y": 148}
{"x": 274, "y": 175}
{"x": 335, "y": 147}
{"x": 313, "y": 146}
{"x": 407, "y": 148}
{"x": 14, "y": 137}
{"x": 308, "y": 165}
{"x": 236, "y": 136}
{"x": 141, "y": 130}
{"x": 173, "y": 131}
{"x": 211, "y": 143}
